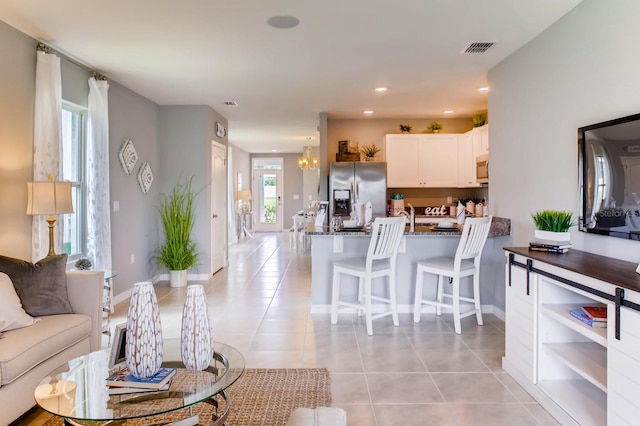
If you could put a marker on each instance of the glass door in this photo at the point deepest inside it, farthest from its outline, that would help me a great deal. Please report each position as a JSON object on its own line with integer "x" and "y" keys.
{"x": 267, "y": 194}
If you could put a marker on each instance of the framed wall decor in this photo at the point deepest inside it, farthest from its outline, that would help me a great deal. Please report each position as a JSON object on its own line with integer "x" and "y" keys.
{"x": 145, "y": 177}
{"x": 221, "y": 132}
{"x": 128, "y": 156}
{"x": 118, "y": 345}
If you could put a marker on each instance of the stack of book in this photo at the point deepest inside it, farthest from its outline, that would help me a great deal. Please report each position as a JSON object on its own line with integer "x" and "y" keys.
{"x": 593, "y": 316}
{"x": 122, "y": 381}
{"x": 550, "y": 246}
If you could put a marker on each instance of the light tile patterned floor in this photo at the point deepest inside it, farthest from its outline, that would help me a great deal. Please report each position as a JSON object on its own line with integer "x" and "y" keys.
{"x": 414, "y": 374}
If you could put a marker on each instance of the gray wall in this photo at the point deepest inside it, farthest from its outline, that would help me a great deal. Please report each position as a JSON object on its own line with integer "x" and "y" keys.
{"x": 579, "y": 71}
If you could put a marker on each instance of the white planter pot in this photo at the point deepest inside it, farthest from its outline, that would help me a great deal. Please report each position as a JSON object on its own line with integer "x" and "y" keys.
{"x": 178, "y": 278}
{"x": 196, "y": 343}
{"x": 143, "y": 349}
{"x": 552, "y": 236}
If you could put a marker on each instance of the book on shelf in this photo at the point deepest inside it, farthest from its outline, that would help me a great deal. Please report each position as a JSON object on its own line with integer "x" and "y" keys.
{"x": 596, "y": 313}
{"x": 124, "y": 379}
{"x": 556, "y": 245}
{"x": 580, "y": 315}
{"x": 549, "y": 250}
{"x": 120, "y": 391}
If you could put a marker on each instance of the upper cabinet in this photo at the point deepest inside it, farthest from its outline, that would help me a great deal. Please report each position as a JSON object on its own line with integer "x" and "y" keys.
{"x": 422, "y": 161}
{"x": 480, "y": 138}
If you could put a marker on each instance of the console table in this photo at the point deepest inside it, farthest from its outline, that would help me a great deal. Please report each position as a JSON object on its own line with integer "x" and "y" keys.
{"x": 582, "y": 375}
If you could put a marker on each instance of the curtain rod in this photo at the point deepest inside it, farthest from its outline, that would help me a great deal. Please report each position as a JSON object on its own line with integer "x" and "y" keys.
{"x": 46, "y": 49}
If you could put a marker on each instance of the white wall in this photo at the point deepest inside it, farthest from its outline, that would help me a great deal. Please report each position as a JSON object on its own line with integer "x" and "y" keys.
{"x": 581, "y": 70}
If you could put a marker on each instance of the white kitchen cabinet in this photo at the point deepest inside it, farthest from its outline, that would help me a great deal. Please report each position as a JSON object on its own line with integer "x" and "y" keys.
{"x": 422, "y": 161}
{"x": 466, "y": 162}
{"x": 480, "y": 139}
{"x": 581, "y": 375}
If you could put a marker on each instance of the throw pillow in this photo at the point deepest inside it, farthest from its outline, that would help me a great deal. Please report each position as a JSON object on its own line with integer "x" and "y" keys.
{"x": 12, "y": 315}
{"x": 42, "y": 287}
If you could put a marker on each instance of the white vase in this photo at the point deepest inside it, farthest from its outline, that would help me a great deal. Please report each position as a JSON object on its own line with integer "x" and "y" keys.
{"x": 196, "y": 344}
{"x": 552, "y": 236}
{"x": 178, "y": 278}
{"x": 143, "y": 349}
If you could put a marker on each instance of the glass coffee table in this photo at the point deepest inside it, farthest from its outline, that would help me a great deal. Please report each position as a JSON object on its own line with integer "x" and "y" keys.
{"x": 77, "y": 390}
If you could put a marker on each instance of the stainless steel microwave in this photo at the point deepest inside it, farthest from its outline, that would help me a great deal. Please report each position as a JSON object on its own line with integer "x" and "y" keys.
{"x": 482, "y": 168}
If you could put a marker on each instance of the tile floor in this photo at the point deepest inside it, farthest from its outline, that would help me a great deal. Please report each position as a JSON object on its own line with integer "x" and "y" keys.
{"x": 414, "y": 374}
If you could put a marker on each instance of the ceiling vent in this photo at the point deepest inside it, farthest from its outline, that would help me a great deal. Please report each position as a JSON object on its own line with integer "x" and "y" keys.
{"x": 231, "y": 103}
{"x": 478, "y": 47}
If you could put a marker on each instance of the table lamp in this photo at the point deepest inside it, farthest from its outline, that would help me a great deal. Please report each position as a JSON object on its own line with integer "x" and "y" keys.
{"x": 244, "y": 197}
{"x": 49, "y": 198}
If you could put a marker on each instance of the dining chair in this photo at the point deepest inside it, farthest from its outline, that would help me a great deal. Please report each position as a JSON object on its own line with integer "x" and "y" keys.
{"x": 380, "y": 261}
{"x": 466, "y": 262}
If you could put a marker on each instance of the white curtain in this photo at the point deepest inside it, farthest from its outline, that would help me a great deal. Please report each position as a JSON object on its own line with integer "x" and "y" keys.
{"x": 231, "y": 200}
{"x": 98, "y": 209}
{"x": 47, "y": 137}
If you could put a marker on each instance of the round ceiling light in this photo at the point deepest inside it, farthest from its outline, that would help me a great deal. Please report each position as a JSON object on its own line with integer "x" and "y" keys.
{"x": 283, "y": 22}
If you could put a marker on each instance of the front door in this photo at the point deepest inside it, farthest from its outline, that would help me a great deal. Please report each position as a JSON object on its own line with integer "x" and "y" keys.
{"x": 267, "y": 200}
{"x": 218, "y": 206}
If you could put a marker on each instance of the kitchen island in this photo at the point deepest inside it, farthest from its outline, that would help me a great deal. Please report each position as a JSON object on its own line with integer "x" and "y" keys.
{"x": 425, "y": 241}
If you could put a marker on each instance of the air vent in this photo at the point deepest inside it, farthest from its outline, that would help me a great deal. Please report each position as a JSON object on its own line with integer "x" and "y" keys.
{"x": 478, "y": 47}
{"x": 231, "y": 103}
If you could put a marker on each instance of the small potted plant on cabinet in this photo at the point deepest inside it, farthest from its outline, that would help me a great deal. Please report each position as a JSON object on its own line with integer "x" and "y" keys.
{"x": 553, "y": 225}
{"x": 369, "y": 152}
{"x": 479, "y": 120}
{"x": 178, "y": 253}
{"x": 405, "y": 128}
{"x": 435, "y": 127}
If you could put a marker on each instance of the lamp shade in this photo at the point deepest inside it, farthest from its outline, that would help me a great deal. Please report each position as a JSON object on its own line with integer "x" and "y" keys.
{"x": 244, "y": 195}
{"x": 49, "y": 198}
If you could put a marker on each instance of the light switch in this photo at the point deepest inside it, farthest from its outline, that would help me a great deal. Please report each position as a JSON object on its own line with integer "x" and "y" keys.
{"x": 337, "y": 243}
{"x": 296, "y": 197}
{"x": 116, "y": 206}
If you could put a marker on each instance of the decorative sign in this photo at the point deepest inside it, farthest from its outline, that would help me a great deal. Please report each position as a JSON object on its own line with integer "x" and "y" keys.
{"x": 437, "y": 211}
{"x": 635, "y": 149}
{"x": 145, "y": 177}
{"x": 221, "y": 132}
{"x": 128, "y": 156}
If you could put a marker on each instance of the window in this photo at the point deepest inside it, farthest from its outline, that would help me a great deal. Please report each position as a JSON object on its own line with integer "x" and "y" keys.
{"x": 72, "y": 158}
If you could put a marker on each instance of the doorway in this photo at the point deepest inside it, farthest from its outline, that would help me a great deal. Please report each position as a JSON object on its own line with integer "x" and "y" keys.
{"x": 218, "y": 206}
{"x": 267, "y": 194}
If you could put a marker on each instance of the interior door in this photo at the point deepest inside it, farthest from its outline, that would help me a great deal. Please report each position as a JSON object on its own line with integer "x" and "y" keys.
{"x": 267, "y": 200}
{"x": 218, "y": 206}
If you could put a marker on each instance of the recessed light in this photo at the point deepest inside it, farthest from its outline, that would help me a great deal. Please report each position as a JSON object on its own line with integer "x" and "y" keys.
{"x": 283, "y": 22}
{"x": 381, "y": 89}
{"x": 483, "y": 89}
{"x": 274, "y": 150}
{"x": 447, "y": 111}
{"x": 368, "y": 111}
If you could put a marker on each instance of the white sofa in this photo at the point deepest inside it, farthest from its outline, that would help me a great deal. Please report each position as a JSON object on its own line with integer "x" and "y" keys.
{"x": 28, "y": 354}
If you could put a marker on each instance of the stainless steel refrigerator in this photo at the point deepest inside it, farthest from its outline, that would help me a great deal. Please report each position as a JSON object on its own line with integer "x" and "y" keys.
{"x": 364, "y": 181}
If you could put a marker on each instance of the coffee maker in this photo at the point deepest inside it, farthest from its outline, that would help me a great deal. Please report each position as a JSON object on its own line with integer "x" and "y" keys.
{"x": 341, "y": 202}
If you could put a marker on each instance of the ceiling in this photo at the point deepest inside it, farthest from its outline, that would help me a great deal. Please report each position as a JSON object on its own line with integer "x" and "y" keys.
{"x": 206, "y": 52}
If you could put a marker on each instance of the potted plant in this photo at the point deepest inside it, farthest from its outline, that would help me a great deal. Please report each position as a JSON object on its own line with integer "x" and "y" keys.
{"x": 178, "y": 253}
{"x": 553, "y": 225}
{"x": 405, "y": 128}
{"x": 479, "y": 120}
{"x": 83, "y": 264}
{"x": 369, "y": 151}
{"x": 435, "y": 127}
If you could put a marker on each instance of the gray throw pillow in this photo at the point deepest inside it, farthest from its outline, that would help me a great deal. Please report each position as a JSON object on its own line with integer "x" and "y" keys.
{"x": 41, "y": 287}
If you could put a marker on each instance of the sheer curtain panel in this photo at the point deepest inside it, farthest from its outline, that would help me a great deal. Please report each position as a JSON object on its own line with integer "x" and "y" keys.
{"x": 46, "y": 142}
{"x": 98, "y": 205}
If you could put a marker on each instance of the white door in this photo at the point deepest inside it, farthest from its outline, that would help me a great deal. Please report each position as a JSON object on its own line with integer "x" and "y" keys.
{"x": 267, "y": 200}
{"x": 218, "y": 206}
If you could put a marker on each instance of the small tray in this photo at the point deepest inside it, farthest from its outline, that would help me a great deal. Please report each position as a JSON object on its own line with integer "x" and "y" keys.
{"x": 359, "y": 228}
{"x": 442, "y": 228}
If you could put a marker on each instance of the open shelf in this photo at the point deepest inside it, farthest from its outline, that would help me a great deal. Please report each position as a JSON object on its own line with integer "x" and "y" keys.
{"x": 560, "y": 312}
{"x": 587, "y": 359}
{"x": 581, "y": 400}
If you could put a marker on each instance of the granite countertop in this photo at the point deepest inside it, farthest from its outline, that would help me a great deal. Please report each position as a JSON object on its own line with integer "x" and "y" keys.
{"x": 499, "y": 227}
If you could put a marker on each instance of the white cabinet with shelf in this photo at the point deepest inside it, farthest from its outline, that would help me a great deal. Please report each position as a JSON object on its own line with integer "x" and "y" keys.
{"x": 422, "y": 161}
{"x": 480, "y": 139}
{"x": 582, "y": 375}
{"x": 466, "y": 162}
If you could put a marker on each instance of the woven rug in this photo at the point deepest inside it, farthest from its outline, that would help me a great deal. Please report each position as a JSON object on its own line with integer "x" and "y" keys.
{"x": 261, "y": 397}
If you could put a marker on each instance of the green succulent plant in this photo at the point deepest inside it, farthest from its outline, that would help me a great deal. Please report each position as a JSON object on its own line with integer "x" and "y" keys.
{"x": 370, "y": 151}
{"x": 405, "y": 128}
{"x": 553, "y": 220}
{"x": 83, "y": 264}
{"x": 479, "y": 120}
{"x": 435, "y": 126}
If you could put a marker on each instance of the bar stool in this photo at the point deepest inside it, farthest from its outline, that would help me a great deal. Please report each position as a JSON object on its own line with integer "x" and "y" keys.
{"x": 380, "y": 261}
{"x": 466, "y": 262}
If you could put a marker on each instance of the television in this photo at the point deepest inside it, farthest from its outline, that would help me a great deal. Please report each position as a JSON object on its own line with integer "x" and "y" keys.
{"x": 609, "y": 164}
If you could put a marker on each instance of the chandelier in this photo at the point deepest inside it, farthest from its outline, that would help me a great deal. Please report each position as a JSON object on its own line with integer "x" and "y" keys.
{"x": 306, "y": 162}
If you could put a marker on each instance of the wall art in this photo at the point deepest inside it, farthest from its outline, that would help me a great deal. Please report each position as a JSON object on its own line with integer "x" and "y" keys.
{"x": 128, "y": 156}
{"x": 145, "y": 177}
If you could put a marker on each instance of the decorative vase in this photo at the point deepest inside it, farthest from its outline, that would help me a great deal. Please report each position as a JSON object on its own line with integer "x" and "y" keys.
{"x": 143, "y": 349}
{"x": 552, "y": 236}
{"x": 436, "y": 130}
{"x": 368, "y": 158}
{"x": 178, "y": 278}
{"x": 196, "y": 344}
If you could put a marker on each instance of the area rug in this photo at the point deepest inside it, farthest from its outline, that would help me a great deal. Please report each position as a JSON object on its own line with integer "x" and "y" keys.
{"x": 261, "y": 397}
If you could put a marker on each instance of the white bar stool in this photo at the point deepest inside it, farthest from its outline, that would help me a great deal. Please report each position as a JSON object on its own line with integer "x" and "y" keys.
{"x": 386, "y": 234}
{"x": 466, "y": 262}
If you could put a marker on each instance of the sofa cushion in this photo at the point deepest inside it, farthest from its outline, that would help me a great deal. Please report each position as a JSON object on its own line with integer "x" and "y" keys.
{"x": 24, "y": 348}
{"x": 12, "y": 315}
{"x": 42, "y": 287}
